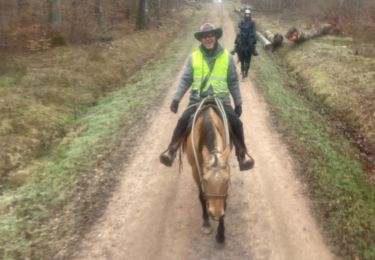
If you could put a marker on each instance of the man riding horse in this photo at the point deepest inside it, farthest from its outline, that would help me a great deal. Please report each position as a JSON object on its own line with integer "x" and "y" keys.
{"x": 247, "y": 34}
{"x": 210, "y": 71}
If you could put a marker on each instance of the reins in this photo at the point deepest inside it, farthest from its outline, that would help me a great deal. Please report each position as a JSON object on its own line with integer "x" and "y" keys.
{"x": 226, "y": 127}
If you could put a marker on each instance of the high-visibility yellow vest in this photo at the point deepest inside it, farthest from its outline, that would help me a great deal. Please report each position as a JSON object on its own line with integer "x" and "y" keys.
{"x": 218, "y": 78}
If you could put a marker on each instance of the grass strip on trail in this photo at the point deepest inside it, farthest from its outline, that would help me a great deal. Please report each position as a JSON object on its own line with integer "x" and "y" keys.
{"x": 56, "y": 177}
{"x": 341, "y": 194}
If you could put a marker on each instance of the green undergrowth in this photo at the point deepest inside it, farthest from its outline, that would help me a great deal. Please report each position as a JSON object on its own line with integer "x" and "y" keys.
{"x": 339, "y": 71}
{"x": 43, "y": 94}
{"x": 26, "y": 232}
{"x": 342, "y": 197}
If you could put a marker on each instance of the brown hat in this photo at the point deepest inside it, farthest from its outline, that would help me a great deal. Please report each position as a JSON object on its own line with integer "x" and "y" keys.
{"x": 208, "y": 28}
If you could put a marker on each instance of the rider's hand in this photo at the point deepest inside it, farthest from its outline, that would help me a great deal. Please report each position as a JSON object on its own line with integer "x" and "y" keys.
{"x": 238, "y": 110}
{"x": 174, "y": 106}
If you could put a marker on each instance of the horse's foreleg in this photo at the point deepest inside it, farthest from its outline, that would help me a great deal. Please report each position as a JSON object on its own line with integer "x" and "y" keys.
{"x": 248, "y": 66}
{"x": 206, "y": 227}
{"x": 220, "y": 236}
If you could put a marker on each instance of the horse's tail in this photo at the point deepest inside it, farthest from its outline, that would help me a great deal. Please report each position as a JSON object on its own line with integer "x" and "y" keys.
{"x": 180, "y": 164}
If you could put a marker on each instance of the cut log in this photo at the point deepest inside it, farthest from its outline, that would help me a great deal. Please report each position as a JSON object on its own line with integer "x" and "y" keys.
{"x": 266, "y": 43}
{"x": 276, "y": 39}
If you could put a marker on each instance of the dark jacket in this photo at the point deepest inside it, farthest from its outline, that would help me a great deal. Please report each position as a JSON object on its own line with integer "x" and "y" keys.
{"x": 247, "y": 32}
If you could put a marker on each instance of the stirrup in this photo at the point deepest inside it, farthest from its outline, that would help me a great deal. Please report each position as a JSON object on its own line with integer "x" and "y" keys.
{"x": 167, "y": 158}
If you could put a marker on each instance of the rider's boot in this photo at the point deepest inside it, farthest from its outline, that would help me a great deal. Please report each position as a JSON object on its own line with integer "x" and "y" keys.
{"x": 245, "y": 161}
{"x": 168, "y": 156}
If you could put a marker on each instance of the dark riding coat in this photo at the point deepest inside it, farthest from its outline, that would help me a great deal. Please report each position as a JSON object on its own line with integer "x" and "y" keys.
{"x": 247, "y": 32}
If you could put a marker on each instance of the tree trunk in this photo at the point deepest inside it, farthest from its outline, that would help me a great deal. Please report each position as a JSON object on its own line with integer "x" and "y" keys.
{"x": 56, "y": 17}
{"x": 158, "y": 8}
{"x": 142, "y": 17}
{"x": 99, "y": 14}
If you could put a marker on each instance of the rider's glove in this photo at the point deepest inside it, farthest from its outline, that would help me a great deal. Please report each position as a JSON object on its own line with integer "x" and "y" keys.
{"x": 174, "y": 106}
{"x": 238, "y": 110}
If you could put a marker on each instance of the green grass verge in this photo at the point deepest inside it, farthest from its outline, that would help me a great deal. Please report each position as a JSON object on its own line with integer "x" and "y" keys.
{"x": 25, "y": 211}
{"x": 338, "y": 70}
{"x": 341, "y": 194}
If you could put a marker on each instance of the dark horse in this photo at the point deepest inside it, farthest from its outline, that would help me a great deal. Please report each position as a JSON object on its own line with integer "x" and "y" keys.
{"x": 208, "y": 148}
{"x": 245, "y": 47}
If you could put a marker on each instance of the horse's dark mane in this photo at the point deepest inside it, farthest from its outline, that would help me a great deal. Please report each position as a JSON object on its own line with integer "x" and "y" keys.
{"x": 208, "y": 135}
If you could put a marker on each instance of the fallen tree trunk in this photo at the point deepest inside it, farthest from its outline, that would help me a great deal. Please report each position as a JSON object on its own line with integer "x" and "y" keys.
{"x": 298, "y": 36}
{"x": 265, "y": 42}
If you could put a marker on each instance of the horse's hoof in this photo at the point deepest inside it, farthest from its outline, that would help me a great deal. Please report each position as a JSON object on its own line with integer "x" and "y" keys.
{"x": 166, "y": 159}
{"x": 206, "y": 230}
{"x": 220, "y": 239}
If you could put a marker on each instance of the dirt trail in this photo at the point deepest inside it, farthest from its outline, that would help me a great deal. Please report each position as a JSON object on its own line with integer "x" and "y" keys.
{"x": 155, "y": 212}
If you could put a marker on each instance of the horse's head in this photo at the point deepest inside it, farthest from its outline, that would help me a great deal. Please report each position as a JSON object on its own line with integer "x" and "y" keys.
{"x": 216, "y": 173}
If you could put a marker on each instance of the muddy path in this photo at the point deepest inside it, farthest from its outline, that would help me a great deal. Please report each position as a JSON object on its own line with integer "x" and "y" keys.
{"x": 155, "y": 213}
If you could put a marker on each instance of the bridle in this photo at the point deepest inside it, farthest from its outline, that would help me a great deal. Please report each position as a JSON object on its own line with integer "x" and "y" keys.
{"x": 214, "y": 196}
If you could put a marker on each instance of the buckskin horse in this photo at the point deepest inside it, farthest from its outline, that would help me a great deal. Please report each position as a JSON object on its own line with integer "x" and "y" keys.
{"x": 208, "y": 147}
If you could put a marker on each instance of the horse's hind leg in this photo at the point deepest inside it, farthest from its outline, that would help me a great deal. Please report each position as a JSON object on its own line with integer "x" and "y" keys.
{"x": 220, "y": 236}
{"x": 242, "y": 69}
{"x": 206, "y": 227}
{"x": 247, "y": 68}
